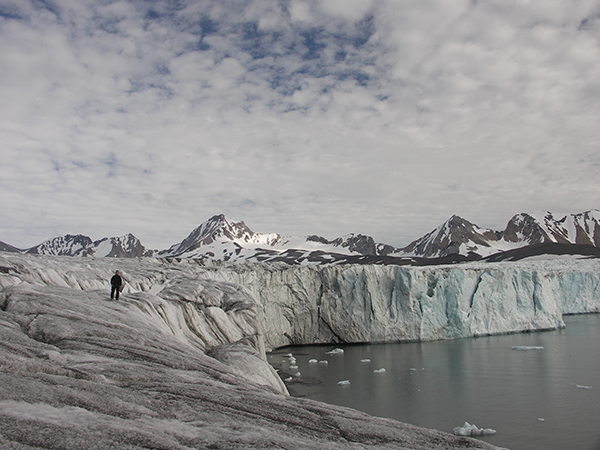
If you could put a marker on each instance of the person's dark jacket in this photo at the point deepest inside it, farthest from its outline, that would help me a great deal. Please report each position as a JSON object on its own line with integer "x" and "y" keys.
{"x": 116, "y": 281}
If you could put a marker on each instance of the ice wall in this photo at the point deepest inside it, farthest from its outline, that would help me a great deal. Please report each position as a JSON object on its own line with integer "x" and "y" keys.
{"x": 389, "y": 303}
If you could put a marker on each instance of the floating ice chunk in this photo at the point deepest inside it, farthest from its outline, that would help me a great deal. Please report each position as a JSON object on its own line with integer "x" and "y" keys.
{"x": 580, "y": 386}
{"x": 297, "y": 374}
{"x": 312, "y": 361}
{"x": 365, "y": 360}
{"x": 417, "y": 370}
{"x": 344, "y": 383}
{"x": 335, "y": 351}
{"x": 324, "y": 362}
{"x": 382, "y": 370}
{"x": 293, "y": 367}
{"x": 292, "y": 360}
{"x": 289, "y": 355}
{"x": 527, "y": 347}
{"x": 472, "y": 430}
{"x": 541, "y": 419}
{"x": 288, "y": 379}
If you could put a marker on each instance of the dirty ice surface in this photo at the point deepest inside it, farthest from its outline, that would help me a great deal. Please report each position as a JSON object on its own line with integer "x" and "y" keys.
{"x": 176, "y": 363}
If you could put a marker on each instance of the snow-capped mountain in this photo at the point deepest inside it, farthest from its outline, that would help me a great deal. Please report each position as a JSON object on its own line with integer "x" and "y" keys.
{"x": 127, "y": 246}
{"x": 220, "y": 236}
{"x": 458, "y": 236}
{"x": 68, "y": 245}
{"x": 225, "y": 239}
{"x": 455, "y": 236}
{"x": 457, "y": 239}
{"x": 544, "y": 227}
{"x": 355, "y": 243}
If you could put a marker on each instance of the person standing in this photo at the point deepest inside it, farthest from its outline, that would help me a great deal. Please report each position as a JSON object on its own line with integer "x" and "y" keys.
{"x": 116, "y": 283}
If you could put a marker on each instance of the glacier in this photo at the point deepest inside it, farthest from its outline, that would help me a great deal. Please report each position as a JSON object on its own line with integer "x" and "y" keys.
{"x": 347, "y": 303}
{"x": 181, "y": 360}
{"x": 366, "y": 303}
{"x": 178, "y": 362}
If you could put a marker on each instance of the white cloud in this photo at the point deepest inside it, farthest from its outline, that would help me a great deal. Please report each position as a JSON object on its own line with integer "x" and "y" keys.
{"x": 382, "y": 118}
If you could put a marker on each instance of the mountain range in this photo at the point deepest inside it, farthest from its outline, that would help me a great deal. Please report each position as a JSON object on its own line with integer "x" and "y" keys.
{"x": 457, "y": 239}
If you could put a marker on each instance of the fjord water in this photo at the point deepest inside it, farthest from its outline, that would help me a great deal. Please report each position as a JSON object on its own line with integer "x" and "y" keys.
{"x": 536, "y": 399}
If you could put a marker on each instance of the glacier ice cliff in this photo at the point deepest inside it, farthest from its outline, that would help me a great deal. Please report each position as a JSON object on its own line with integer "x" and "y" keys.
{"x": 362, "y": 303}
{"x": 177, "y": 363}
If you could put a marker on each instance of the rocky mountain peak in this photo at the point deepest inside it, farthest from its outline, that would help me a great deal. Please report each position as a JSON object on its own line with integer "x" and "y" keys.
{"x": 455, "y": 236}
{"x": 219, "y": 229}
{"x": 68, "y": 245}
{"x": 544, "y": 227}
{"x": 127, "y": 246}
{"x": 356, "y": 243}
{"x": 524, "y": 228}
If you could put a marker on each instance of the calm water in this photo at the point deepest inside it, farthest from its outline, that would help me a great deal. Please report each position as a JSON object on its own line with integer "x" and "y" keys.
{"x": 536, "y": 399}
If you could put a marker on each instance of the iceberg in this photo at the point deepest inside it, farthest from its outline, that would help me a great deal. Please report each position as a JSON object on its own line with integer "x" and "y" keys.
{"x": 335, "y": 351}
{"x": 471, "y": 430}
{"x": 527, "y": 347}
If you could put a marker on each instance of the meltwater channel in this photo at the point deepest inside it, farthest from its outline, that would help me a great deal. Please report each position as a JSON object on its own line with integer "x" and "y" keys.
{"x": 539, "y": 391}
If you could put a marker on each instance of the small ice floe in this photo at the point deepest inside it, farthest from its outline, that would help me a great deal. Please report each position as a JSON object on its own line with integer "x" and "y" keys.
{"x": 541, "y": 419}
{"x": 417, "y": 370}
{"x": 382, "y": 370}
{"x": 289, "y": 355}
{"x": 365, "y": 360}
{"x": 471, "y": 430}
{"x": 344, "y": 383}
{"x": 527, "y": 347}
{"x": 324, "y": 361}
{"x": 293, "y": 367}
{"x": 580, "y": 386}
{"x": 288, "y": 379}
{"x": 297, "y": 374}
{"x": 335, "y": 351}
{"x": 312, "y": 361}
{"x": 292, "y": 360}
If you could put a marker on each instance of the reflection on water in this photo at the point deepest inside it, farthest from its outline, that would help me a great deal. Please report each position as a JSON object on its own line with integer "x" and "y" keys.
{"x": 536, "y": 398}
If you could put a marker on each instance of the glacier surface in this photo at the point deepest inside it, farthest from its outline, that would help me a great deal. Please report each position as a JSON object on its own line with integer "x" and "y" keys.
{"x": 180, "y": 361}
{"x": 177, "y": 363}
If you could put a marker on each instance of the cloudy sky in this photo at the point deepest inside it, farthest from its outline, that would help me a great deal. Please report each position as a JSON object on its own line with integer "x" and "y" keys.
{"x": 381, "y": 117}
